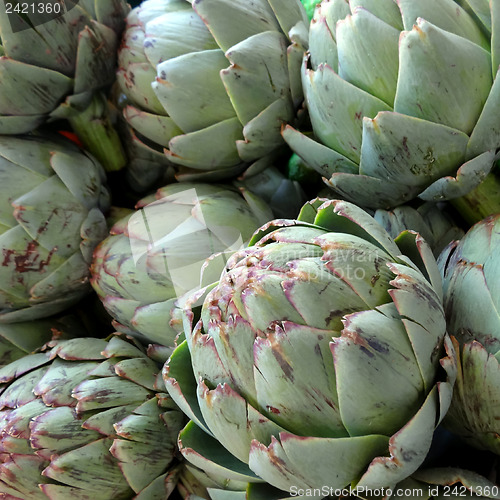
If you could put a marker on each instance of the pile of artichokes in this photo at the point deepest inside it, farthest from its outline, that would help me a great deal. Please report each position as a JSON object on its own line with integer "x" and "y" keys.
{"x": 249, "y": 250}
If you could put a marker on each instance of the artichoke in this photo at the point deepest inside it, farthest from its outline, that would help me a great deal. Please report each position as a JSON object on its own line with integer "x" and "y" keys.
{"x": 51, "y": 68}
{"x": 403, "y": 100}
{"x": 472, "y": 301}
{"x": 88, "y": 419}
{"x": 51, "y": 203}
{"x": 156, "y": 255}
{"x": 318, "y": 357}
{"x": 212, "y": 82}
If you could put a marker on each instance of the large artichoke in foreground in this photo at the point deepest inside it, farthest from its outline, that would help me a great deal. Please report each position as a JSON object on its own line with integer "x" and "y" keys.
{"x": 214, "y": 81}
{"x": 87, "y": 420}
{"x": 155, "y": 255}
{"x": 471, "y": 271}
{"x": 51, "y": 202}
{"x": 318, "y": 357}
{"x": 52, "y": 66}
{"x": 403, "y": 99}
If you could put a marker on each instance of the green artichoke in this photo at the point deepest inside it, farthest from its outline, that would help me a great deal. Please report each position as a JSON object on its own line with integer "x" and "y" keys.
{"x": 214, "y": 81}
{"x": 87, "y": 420}
{"x": 471, "y": 270}
{"x": 403, "y": 99}
{"x": 51, "y": 202}
{"x": 156, "y": 255}
{"x": 52, "y": 68}
{"x": 318, "y": 357}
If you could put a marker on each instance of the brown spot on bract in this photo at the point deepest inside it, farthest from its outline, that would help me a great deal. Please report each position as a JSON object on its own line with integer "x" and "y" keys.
{"x": 29, "y": 260}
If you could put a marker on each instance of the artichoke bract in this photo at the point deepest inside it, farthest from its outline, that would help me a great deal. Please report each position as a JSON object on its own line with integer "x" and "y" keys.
{"x": 472, "y": 301}
{"x": 19, "y": 339}
{"x": 195, "y": 484}
{"x": 52, "y": 200}
{"x": 214, "y": 81}
{"x": 51, "y": 66}
{"x": 88, "y": 419}
{"x": 154, "y": 256}
{"x": 403, "y": 99}
{"x": 318, "y": 359}
{"x": 284, "y": 196}
{"x": 434, "y": 224}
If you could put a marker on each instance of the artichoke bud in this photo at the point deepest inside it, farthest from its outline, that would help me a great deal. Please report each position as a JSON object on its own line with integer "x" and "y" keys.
{"x": 296, "y": 345}
{"x": 402, "y": 98}
{"x": 155, "y": 255}
{"x": 89, "y": 417}
{"x": 51, "y": 219}
{"x": 190, "y": 74}
{"x": 55, "y": 62}
{"x": 472, "y": 264}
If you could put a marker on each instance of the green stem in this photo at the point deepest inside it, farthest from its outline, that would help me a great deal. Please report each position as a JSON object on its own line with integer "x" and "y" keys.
{"x": 94, "y": 128}
{"x": 481, "y": 201}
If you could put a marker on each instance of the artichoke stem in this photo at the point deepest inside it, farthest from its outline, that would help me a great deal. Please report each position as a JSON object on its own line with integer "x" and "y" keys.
{"x": 94, "y": 129}
{"x": 481, "y": 201}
